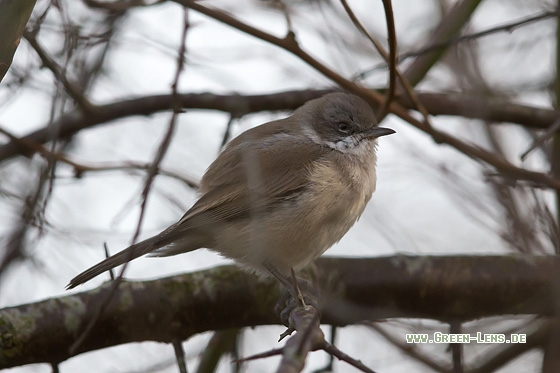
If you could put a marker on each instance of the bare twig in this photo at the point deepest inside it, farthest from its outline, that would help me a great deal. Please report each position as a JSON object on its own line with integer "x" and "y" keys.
{"x": 392, "y": 60}
{"x": 287, "y": 15}
{"x": 227, "y": 132}
{"x": 106, "y": 249}
{"x": 547, "y": 135}
{"x": 119, "y": 6}
{"x": 363, "y": 30}
{"x": 180, "y": 356}
{"x": 456, "y": 348}
{"x": 262, "y": 355}
{"x": 81, "y": 168}
{"x": 70, "y": 88}
{"x": 166, "y": 141}
{"x": 332, "y": 350}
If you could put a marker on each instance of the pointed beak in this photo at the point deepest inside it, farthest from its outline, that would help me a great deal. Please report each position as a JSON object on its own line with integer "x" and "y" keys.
{"x": 377, "y": 132}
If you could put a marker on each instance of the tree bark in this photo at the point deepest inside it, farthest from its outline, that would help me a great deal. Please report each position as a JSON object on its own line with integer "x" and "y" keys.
{"x": 175, "y": 308}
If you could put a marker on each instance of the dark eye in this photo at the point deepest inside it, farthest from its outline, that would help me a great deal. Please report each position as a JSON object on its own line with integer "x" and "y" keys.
{"x": 343, "y": 127}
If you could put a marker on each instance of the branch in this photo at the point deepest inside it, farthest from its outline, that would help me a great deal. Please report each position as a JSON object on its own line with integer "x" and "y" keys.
{"x": 490, "y": 109}
{"x": 71, "y": 89}
{"x": 392, "y": 60}
{"x": 308, "y": 338}
{"x": 441, "y": 288}
{"x": 74, "y": 121}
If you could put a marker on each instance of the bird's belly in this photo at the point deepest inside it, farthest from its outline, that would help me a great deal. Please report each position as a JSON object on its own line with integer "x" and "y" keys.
{"x": 300, "y": 229}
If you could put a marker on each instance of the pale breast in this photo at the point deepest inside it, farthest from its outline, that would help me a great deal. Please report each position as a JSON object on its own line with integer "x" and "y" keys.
{"x": 304, "y": 226}
{"x": 335, "y": 201}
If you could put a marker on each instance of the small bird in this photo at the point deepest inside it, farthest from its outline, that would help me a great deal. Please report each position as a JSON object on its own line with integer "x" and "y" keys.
{"x": 280, "y": 194}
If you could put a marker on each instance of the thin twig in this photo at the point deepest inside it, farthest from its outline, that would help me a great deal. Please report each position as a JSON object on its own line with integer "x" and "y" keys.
{"x": 180, "y": 356}
{"x": 392, "y": 60}
{"x": 297, "y": 290}
{"x": 70, "y": 88}
{"x": 363, "y": 30}
{"x": 334, "y": 351}
{"x": 286, "y": 13}
{"x": 262, "y": 355}
{"x": 456, "y": 348}
{"x": 551, "y": 131}
{"x": 227, "y": 132}
{"x": 166, "y": 141}
{"x": 81, "y": 168}
{"x": 106, "y": 249}
{"x": 120, "y": 6}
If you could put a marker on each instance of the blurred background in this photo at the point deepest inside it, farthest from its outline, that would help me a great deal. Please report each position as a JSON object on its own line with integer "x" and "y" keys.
{"x": 82, "y": 89}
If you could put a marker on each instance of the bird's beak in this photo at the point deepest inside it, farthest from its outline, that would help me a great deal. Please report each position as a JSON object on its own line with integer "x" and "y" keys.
{"x": 377, "y": 132}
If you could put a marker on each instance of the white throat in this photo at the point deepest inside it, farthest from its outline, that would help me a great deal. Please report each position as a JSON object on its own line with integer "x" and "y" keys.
{"x": 351, "y": 144}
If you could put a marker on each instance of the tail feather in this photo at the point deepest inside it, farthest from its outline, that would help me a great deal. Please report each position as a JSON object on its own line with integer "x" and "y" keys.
{"x": 122, "y": 257}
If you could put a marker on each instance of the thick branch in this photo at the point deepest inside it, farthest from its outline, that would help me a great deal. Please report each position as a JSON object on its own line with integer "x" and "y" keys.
{"x": 163, "y": 310}
{"x": 175, "y": 308}
{"x": 488, "y": 109}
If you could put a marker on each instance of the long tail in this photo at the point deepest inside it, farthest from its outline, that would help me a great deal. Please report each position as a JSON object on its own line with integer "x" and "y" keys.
{"x": 128, "y": 254}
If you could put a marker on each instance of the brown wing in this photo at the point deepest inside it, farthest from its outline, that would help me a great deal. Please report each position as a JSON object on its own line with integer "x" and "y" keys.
{"x": 250, "y": 175}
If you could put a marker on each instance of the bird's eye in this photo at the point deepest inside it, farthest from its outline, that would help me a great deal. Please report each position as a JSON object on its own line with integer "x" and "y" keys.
{"x": 343, "y": 127}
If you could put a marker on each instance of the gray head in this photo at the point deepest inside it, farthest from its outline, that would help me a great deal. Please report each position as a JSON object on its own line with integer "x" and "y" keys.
{"x": 341, "y": 121}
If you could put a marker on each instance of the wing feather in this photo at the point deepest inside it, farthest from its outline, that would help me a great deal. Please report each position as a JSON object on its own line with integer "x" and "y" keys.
{"x": 251, "y": 176}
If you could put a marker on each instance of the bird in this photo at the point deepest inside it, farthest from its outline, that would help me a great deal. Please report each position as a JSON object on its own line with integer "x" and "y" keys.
{"x": 279, "y": 194}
